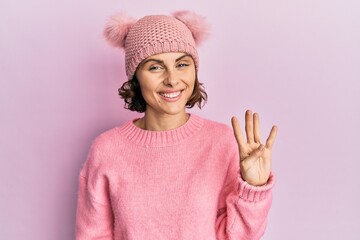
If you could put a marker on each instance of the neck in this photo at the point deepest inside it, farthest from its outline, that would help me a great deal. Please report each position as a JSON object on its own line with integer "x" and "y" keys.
{"x": 162, "y": 122}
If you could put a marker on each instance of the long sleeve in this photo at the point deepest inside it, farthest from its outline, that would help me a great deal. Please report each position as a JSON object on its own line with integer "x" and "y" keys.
{"x": 243, "y": 209}
{"x": 179, "y": 184}
{"x": 94, "y": 216}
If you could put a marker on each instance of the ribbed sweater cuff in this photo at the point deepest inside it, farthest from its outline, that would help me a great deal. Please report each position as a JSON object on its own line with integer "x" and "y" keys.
{"x": 251, "y": 193}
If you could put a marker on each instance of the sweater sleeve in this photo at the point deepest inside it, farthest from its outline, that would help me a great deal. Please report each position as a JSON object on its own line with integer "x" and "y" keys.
{"x": 94, "y": 215}
{"x": 243, "y": 208}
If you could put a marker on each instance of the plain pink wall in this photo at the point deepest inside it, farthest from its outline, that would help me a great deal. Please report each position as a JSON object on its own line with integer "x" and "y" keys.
{"x": 295, "y": 62}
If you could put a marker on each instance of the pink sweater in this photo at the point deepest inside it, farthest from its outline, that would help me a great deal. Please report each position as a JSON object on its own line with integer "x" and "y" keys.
{"x": 177, "y": 184}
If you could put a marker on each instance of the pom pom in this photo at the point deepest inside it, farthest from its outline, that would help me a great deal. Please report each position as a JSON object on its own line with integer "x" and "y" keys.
{"x": 197, "y": 24}
{"x": 117, "y": 29}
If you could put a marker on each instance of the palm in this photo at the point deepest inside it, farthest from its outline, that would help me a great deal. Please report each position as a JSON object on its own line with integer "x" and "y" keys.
{"x": 255, "y": 158}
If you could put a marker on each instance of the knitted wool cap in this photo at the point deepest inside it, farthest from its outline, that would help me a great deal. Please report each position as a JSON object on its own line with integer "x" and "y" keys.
{"x": 156, "y": 34}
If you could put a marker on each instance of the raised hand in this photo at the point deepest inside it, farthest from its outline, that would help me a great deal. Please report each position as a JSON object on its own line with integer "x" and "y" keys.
{"x": 255, "y": 157}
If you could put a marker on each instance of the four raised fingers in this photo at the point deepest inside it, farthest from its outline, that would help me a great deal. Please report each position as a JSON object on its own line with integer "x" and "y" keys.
{"x": 252, "y": 128}
{"x": 251, "y": 152}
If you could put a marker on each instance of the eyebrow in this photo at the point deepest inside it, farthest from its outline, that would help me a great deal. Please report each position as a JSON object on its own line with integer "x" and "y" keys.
{"x": 161, "y": 61}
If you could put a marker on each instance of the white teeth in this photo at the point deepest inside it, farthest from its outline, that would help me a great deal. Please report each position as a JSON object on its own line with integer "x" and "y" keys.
{"x": 171, "y": 95}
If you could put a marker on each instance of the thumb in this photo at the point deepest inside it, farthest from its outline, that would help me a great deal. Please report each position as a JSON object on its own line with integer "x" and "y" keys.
{"x": 258, "y": 152}
{"x": 252, "y": 158}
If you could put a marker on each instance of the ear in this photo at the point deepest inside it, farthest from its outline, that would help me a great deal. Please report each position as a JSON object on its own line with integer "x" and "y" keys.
{"x": 117, "y": 29}
{"x": 197, "y": 24}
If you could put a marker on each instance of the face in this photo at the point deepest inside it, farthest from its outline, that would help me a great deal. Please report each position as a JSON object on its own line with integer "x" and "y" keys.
{"x": 167, "y": 82}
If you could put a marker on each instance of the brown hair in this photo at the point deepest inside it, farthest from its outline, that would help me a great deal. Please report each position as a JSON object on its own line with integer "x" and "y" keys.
{"x": 131, "y": 93}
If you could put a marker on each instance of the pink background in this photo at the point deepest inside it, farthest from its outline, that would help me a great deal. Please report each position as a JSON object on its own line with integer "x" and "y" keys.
{"x": 295, "y": 62}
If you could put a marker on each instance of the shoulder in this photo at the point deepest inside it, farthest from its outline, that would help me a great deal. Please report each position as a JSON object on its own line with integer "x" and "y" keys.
{"x": 218, "y": 129}
{"x": 217, "y": 134}
{"x": 106, "y": 145}
{"x": 219, "y": 141}
{"x": 111, "y": 138}
{"x": 104, "y": 142}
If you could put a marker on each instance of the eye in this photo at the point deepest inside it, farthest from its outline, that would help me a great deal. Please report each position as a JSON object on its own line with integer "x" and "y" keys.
{"x": 182, "y": 65}
{"x": 155, "y": 68}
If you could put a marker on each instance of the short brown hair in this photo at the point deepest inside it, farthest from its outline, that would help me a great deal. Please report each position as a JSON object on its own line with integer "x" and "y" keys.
{"x": 131, "y": 93}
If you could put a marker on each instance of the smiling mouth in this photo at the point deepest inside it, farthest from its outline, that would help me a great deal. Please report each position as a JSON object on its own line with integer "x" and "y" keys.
{"x": 170, "y": 94}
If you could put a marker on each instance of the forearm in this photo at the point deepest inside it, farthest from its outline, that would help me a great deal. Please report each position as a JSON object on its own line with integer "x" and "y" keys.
{"x": 246, "y": 210}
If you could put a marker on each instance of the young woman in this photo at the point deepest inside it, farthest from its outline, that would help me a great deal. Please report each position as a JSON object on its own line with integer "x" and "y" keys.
{"x": 170, "y": 174}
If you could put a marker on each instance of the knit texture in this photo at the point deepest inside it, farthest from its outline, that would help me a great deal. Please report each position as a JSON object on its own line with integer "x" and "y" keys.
{"x": 156, "y": 34}
{"x": 178, "y": 184}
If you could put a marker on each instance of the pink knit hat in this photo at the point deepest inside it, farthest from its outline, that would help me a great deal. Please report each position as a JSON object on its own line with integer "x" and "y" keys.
{"x": 156, "y": 34}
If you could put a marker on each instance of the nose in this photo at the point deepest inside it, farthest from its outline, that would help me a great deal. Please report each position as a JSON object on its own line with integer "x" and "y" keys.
{"x": 171, "y": 79}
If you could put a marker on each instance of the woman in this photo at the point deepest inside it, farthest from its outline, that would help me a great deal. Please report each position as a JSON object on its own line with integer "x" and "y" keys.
{"x": 170, "y": 174}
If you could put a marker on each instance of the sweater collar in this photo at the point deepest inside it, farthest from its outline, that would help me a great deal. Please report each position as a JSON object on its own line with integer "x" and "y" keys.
{"x": 148, "y": 138}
